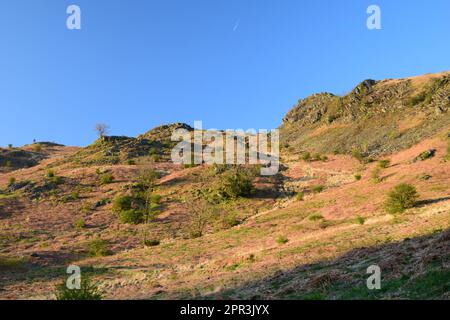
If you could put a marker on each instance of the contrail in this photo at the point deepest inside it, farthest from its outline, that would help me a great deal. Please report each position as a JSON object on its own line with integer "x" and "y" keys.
{"x": 236, "y": 26}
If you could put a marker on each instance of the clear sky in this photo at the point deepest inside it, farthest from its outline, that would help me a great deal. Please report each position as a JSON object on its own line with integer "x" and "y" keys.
{"x": 136, "y": 64}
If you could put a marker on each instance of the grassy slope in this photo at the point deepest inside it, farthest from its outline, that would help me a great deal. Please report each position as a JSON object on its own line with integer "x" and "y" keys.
{"x": 323, "y": 258}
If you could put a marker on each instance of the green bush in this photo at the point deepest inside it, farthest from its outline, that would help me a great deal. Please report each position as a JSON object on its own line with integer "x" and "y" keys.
{"x": 131, "y": 216}
{"x": 306, "y": 156}
{"x": 426, "y": 155}
{"x": 50, "y": 173}
{"x": 53, "y": 178}
{"x": 300, "y": 196}
{"x": 282, "y": 240}
{"x": 400, "y": 198}
{"x": 155, "y": 199}
{"x": 11, "y": 181}
{"x": 152, "y": 243}
{"x": 315, "y": 217}
{"x": 383, "y": 164}
{"x": 376, "y": 175}
{"x": 424, "y": 96}
{"x": 360, "y": 220}
{"x": 80, "y": 223}
{"x": 358, "y": 177}
{"x": 87, "y": 291}
{"x": 9, "y": 164}
{"x": 236, "y": 184}
{"x": 317, "y": 188}
{"x": 131, "y": 162}
{"x": 106, "y": 178}
{"x": 121, "y": 203}
{"x": 99, "y": 248}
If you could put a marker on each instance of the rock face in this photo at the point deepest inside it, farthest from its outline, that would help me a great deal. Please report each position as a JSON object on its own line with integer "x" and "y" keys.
{"x": 369, "y": 117}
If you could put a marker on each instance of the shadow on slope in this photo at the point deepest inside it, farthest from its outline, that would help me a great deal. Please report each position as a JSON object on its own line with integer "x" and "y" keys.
{"x": 415, "y": 268}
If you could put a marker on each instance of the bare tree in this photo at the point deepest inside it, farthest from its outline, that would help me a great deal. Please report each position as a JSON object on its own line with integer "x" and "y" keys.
{"x": 102, "y": 129}
{"x": 201, "y": 213}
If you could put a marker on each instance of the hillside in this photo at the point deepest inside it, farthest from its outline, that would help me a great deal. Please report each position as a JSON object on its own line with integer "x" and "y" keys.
{"x": 309, "y": 232}
{"x": 377, "y": 117}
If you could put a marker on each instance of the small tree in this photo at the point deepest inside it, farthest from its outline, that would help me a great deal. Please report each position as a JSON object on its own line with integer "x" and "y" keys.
{"x": 200, "y": 214}
{"x": 147, "y": 180}
{"x": 402, "y": 197}
{"x": 102, "y": 129}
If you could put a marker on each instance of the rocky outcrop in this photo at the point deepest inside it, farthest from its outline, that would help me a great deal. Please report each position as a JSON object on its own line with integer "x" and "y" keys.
{"x": 367, "y": 118}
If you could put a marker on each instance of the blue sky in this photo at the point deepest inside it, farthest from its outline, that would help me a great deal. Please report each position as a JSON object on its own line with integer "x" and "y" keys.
{"x": 230, "y": 63}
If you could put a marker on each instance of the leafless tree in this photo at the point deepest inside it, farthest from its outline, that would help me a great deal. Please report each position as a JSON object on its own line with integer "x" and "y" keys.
{"x": 201, "y": 213}
{"x": 102, "y": 129}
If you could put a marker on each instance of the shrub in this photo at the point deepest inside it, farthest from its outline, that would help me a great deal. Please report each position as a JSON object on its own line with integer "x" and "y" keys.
{"x": 80, "y": 223}
{"x": 201, "y": 213}
{"x": 360, "y": 220}
{"x": 424, "y": 96}
{"x": 282, "y": 240}
{"x": 229, "y": 221}
{"x": 11, "y": 181}
{"x": 106, "y": 178}
{"x": 317, "y": 157}
{"x": 155, "y": 157}
{"x": 131, "y": 216}
{"x": 9, "y": 164}
{"x": 384, "y": 164}
{"x": 358, "y": 177}
{"x": 331, "y": 118}
{"x": 155, "y": 199}
{"x": 99, "y": 248}
{"x": 131, "y": 162}
{"x": 300, "y": 196}
{"x": 87, "y": 291}
{"x": 50, "y": 174}
{"x": 121, "y": 203}
{"x": 86, "y": 207}
{"x": 56, "y": 180}
{"x": 424, "y": 176}
{"x": 317, "y": 188}
{"x": 426, "y": 155}
{"x": 53, "y": 178}
{"x": 400, "y": 198}
{"x": 236, "y": 184}
{"x": 315, "y": 217}
{"x": 324, "y": 158}
{"x": 306, "y": 156}
{"x": 376, "y": 175}
{"x": 152, "y": 243}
